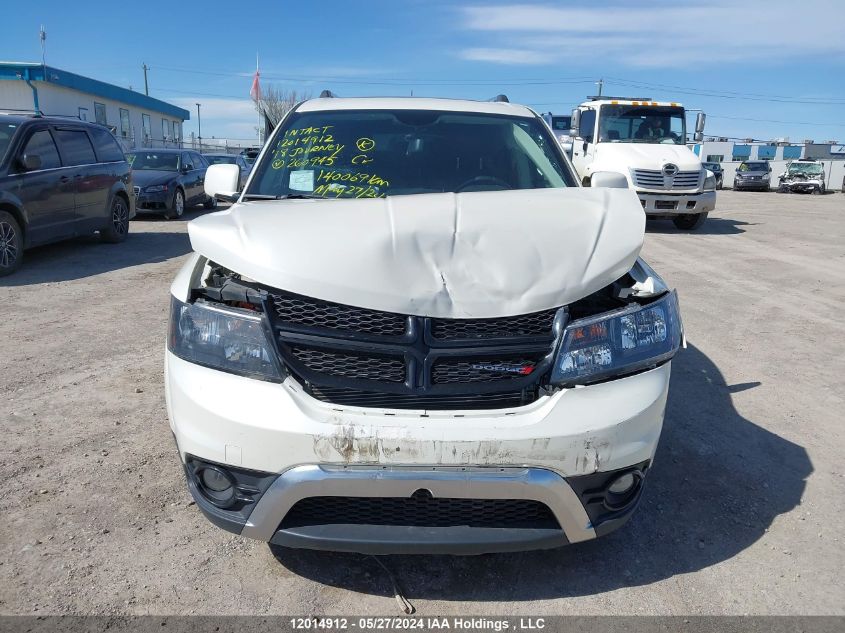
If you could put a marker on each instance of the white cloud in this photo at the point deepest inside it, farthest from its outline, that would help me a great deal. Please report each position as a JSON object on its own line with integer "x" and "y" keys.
{"x": 659, "y": 34}
{"x": 512, "y": 56}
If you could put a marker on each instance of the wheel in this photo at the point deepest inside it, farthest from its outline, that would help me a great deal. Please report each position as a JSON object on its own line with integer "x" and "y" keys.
{"x": 211, "y": 203}
{"x": 767, "y": 188}
{"x": 11, "y": 244}
{"x": 689, "y": 221}
{"x": 178, "y": 207}
{"x": 118, "y": 226}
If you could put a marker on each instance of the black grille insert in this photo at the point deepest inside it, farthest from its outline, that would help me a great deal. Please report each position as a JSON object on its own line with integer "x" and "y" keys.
{"x": 438, "y": 402}
{"x": 351, "y": 365}
{"x": 312, "y": 313}
{"x": 534, "y": 324}
{"x": 421, "y": 509}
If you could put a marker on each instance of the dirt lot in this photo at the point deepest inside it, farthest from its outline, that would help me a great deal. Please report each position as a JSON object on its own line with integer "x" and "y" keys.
{"x": 742, "y": 513}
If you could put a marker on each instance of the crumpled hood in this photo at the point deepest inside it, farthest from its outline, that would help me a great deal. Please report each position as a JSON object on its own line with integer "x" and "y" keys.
{"x": 484, "y": 254}
{"x": 146, "y": 177}
{"x": 622, "y": 156}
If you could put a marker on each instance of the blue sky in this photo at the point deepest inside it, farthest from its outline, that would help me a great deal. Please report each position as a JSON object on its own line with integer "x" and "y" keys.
{"x": 759, "y": 68}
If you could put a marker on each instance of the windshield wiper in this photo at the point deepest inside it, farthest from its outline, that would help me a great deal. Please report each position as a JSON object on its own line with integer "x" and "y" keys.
{"x": 289, "y": 196}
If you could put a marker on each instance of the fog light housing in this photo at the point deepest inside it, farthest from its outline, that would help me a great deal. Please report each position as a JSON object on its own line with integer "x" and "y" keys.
{"x": 217, "y": 485}
{"x": 622, "y": 490}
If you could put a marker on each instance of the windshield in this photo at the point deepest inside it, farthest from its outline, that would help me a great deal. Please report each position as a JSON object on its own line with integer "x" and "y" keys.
{"x": 153, "y": 160}
{"x": 561, "y": 123}
{"x": 636, "y": 124}
{"x": 376, "y": 153}
{"x": 754, "y": 167}
{"x": 805, "y": 168}
{"x": 220, "y": 160}
{"x": 712, "y": 166}
{"x": 7, "y": 131}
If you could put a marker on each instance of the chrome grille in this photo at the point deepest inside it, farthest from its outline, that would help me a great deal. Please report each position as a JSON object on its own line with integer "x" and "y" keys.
{"x": 654, "y": 179}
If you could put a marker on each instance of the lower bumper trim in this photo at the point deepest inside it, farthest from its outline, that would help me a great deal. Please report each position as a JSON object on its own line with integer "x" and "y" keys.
{"x": 383, "y": 539}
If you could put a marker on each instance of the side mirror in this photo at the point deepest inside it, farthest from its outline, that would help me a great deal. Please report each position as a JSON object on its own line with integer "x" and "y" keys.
{"x": 186, "y": 168}
{"x": 31, "y": 162}
{"x": 576, "y": 122}
{"x": 700, "y": 119}
{"x": 609, "y": 180}
{"x": 221, "y": 182}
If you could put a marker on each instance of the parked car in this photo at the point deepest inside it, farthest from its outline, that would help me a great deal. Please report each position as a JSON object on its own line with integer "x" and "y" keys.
{"x": 167, "y": 181}
{"x": 716, "y": 168}
{"x": 415, "y": 331}
{"x": 59, "y": 178}
{"x": 231, "y": 159}
{"x": 753, "y": 174}
{"x": 804, "y": 175}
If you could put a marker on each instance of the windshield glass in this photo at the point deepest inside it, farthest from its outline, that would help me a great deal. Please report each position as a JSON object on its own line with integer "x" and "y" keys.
{"x": 805, "y": 168}
{"x": 561, "y": 123}
{"x": 153, "y": 160}
{"x": 712, "y": 166}
{"x": 376, "y": 153}
{"x": 636, "y": 124}
{"x": 7, "y": 131}
{"x": 754, "y": 167}
{"x": 220, "y": 160}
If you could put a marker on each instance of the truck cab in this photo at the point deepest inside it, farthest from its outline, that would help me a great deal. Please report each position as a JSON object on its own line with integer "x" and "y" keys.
{"x": 645, "y": 141}
{"x": 561, "y": 127}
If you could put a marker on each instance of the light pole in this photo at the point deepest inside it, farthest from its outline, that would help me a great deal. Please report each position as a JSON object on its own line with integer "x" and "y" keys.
{"x": 199, "y": 126}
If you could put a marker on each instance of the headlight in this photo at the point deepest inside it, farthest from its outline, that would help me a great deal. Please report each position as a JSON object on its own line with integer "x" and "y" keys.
{"x": 710, "y": 181}
{"x": 618, "y": 343}
{"x": 156, "y": 188}
{"x": 227, "y": 339}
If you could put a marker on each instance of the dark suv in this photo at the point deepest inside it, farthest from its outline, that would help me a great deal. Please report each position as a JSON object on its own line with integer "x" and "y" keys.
{"x": 59, "y": 178}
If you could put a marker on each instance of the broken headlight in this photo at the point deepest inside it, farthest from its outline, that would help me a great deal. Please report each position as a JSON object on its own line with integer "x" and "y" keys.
{"x": 227, "y": 339}
{"x": 618, "y": 343}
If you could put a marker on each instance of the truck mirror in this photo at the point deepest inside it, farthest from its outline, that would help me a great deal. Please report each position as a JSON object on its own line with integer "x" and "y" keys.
{"x": 576, "y": 122}
{"x": 700, "y": 119}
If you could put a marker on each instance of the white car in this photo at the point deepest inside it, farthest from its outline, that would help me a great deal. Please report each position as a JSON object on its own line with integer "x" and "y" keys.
{"x": 414, "y": 331}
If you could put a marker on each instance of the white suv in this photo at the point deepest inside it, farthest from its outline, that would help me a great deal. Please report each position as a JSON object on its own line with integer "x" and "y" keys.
{"x": 415, "y": 332}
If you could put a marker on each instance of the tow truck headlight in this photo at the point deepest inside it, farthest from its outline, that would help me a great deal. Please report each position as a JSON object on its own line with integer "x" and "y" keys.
{"x": 619, "y": 343}
{"x": 227, "y": 339}
{"x": 709, "y": 181}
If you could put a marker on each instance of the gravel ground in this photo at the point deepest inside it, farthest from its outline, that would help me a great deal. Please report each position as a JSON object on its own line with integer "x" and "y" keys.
{"x": 736, "y": 518}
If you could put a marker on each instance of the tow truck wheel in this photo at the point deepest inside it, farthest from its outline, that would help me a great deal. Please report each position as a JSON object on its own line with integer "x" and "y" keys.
{"x": 689, "y": 221}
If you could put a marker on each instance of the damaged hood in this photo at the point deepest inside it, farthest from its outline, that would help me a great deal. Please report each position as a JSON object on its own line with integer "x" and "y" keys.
{"x": 485, "y": 254}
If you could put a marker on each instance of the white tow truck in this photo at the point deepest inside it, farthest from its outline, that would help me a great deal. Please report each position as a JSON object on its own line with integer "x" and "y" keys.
{"x": 645, "y": 141}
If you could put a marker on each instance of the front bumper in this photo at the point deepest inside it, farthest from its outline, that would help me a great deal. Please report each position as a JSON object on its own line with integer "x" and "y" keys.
{"x": 665, "y": 204}
{"x": 755, "y": 185}
{"x": 311, "y": 448}
{"x": 157, "y": 202}
{"x": 802, "y": 186}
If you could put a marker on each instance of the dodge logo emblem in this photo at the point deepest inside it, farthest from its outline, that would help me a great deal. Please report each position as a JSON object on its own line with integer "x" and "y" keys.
{"x": 670, "y": 170}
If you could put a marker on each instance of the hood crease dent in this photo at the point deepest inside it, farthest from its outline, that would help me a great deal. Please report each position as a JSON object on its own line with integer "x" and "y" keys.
{"x": 467, "y": 255}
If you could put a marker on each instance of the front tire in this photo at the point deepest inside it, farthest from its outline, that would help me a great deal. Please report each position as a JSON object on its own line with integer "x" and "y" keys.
{"x": 11, "y": 244}
{"x": 118, "y": 225}
{"x": 689, "y": 221}
{"x": 178, "y": 208}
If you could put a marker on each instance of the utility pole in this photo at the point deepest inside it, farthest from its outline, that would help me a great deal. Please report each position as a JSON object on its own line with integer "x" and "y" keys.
{"x": 146, "y": 85}
{"x": 600, "y": 84}
{"x": 42, "y": 35}
{"x": 199, "y": 126}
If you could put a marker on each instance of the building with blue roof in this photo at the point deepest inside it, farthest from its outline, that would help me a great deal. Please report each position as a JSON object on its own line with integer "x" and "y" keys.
{"x": 136, "y": 119}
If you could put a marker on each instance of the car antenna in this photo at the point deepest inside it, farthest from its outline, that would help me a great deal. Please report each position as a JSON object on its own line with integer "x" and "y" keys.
{"x": 327, "y": 94}
{"x": 501, "y": 99}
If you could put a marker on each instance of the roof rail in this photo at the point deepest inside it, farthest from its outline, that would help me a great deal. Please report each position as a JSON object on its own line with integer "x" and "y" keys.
{"x": 21, "y": 111}
{"x": 501, "y": 99}
{"x": 608, "y": 98}
{"x": 327, "y": 94}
